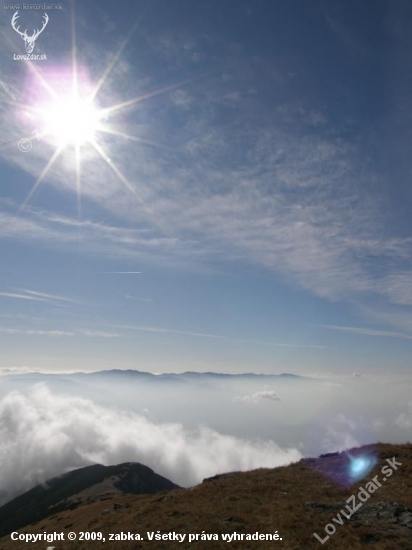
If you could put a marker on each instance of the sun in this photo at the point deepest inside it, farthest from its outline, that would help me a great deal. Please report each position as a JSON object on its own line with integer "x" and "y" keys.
{"x": 63, "y": 108}
{"x": 70, "y": 121}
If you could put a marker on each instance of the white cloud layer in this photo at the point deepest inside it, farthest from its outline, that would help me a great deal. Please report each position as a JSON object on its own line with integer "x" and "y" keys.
{"x": 340, "y": 434}
{"x": 257, "y": 396}
{"x": 44, "y": 435}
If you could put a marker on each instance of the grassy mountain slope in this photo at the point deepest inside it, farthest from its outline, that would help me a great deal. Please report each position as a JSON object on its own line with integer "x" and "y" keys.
{"x": 61, "y": 493}
{"x": 296, "y": 501}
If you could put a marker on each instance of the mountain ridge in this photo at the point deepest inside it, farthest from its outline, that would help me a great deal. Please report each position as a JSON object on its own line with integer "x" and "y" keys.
{"x": 58, "y": 494}
{"x": 296, "y": 501}
{"x": 159, "y": 376}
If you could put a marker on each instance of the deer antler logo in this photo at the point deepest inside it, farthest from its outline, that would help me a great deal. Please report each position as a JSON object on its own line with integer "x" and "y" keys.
{"x": 29, "y": 40}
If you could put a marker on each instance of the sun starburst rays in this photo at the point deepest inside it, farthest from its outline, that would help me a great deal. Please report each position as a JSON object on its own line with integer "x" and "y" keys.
{"x": 77, "y": 162}
{"x": 114, "y": 168}
{"x": 106, "y": 129}
{"x": 116, "y": 57}
{"x": 73, "y": 121}
{"x": 138, "y": 99}
{"x": 42, "y": 176}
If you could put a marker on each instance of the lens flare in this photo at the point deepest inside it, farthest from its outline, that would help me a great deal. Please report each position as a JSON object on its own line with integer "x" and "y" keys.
{"x": 347, "y": 467}
{"x": 360, "y": 466}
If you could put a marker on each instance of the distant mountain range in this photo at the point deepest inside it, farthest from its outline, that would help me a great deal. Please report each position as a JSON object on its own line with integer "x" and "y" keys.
{"x": 295, "y": 501}
{"x": 66, "y": 492}
{"x": 188, "y": 376}
{"x": 162, "y": 377}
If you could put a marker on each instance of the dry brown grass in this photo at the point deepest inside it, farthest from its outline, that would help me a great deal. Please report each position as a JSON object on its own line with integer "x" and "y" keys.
{"x": 265, "y": 500}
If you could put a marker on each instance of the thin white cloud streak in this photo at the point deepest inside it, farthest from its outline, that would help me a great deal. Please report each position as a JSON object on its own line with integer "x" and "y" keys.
{"x": 368, "y": 332}
{"x": 217, "y": 336}
{"x": 18, "y": 296}
{"x": 48, "y": 296}
{"x": 98, "y": 334}
{"x": 167, "y": 330}
{"x": 58, "y": 333}
{"x": 48, "y": 229}
{"x": 31, "y": 332}
{"x": 398, "y": 317}
{"x": 23, "y": 294}
{"x": 44, "y": 435}
{"x": 278, "y": 344}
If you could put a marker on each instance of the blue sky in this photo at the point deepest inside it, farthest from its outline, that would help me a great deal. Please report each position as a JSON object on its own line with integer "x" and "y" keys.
{"x": 254, "y": 178}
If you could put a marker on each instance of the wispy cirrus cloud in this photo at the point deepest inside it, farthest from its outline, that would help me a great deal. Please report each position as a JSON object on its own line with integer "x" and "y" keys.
{"x": 18, "y": 296}
{"x": 166, "y": 331}
{"x": 31, "y": 332}
{"x": 57, "y": 333}
{"x": 32, "y": 295}
{"x": 262, "y": 213}
{"x": 163, "y": 330}
{"x": 279, "y": 344}
{"x": 47, "y": 296}
{"x": 48, "y": 229}
{"x": 98, "y": 333}
{"x": 395, "y": 316}
{"x": 398, "y": 288}
{"x": 368, "y": 332}
{"x": 273, "y": 185}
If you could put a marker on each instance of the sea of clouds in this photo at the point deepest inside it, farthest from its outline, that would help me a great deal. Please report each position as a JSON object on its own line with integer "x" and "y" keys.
{"x": 187, "y": 430}
{"x": 44, "y": 434}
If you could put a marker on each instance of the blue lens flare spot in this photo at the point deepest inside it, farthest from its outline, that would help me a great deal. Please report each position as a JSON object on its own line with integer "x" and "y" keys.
{"x": 360, "y": 466}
